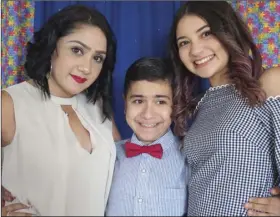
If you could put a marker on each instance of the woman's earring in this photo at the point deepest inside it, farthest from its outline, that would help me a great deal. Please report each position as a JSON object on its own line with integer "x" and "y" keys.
{"x": 49, "y": 73}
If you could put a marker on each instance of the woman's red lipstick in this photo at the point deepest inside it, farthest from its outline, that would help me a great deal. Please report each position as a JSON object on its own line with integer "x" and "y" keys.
{"x": 78, "y": 79}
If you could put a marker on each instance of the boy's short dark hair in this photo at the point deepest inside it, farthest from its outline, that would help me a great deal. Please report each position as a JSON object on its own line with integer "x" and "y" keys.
{"x": 149, "y": 69}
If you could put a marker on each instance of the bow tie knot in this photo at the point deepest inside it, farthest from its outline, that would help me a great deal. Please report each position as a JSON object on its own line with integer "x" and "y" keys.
{"x": 132, "y": 149}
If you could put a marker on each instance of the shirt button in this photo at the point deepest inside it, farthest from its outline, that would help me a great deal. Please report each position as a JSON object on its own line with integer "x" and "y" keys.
{"x": 140, "y": 200}
{"x": 143, "y": 171}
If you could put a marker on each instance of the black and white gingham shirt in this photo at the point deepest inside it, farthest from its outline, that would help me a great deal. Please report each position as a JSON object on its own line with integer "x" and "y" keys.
{"x": 233, "y": 151}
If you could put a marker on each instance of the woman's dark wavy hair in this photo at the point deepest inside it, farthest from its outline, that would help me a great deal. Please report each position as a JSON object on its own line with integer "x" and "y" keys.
{"x": 245, "y": 63}
{"x": 39, "y": 52}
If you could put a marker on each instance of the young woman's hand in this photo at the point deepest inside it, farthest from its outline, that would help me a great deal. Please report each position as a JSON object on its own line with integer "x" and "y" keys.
{"x": 265, "y": 206}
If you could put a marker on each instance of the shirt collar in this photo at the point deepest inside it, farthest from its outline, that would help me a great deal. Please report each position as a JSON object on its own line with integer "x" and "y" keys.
{"x": 73, "y": 101}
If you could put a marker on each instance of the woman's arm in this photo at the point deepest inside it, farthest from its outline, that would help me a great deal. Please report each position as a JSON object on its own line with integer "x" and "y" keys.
{"x": 13, "y": 210}
{"x": 116, "y": 134}
{"x": 269, "y": 206}
{"x": 8, "y": 127}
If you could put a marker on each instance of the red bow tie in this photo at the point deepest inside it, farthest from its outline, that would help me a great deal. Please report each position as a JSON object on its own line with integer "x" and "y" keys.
{"x": 132, "y": 150}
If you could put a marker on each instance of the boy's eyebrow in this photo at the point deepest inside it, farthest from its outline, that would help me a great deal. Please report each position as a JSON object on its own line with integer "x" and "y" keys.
{"x": 136, "y": 96}
{"x": 162, "y": 96}
{"x": 142, "y": 96}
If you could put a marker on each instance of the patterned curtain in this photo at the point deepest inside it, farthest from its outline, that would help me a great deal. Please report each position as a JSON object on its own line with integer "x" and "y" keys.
{"x": 263, "y": 19}
{"x": 17, "y": 29}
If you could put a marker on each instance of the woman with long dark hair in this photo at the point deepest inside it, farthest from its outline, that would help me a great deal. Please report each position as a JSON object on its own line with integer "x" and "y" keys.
{"x": 233, "y": 144}
{"x": 59, "y": 151}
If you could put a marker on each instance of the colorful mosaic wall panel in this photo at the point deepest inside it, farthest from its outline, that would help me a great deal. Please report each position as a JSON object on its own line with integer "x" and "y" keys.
{"x": 263, "y": 19}
{"x": 17, "y": 30}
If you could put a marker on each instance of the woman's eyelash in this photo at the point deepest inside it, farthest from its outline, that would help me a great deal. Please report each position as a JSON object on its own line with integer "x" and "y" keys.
{"x": 99, "y": 59}
{"x": 76, "y": 50}
{"x": 183, "y": 43}
{"x": 206, "y": 33}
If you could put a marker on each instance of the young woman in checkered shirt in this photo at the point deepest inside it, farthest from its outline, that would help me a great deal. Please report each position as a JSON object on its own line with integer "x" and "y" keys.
{"x": 233, "y": 144}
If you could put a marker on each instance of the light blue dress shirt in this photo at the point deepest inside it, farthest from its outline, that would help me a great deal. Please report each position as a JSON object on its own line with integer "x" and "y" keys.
{"x": 148, "y": 186}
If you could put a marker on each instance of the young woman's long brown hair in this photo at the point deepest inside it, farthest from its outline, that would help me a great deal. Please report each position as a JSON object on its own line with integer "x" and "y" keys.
{"x": 245, "y": 63}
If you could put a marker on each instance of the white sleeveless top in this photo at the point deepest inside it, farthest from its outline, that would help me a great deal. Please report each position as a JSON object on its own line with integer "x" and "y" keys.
{"x": 45, "y": 164}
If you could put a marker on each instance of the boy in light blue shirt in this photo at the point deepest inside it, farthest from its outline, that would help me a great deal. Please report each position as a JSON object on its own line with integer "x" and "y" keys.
{"x": 150, "y": 172}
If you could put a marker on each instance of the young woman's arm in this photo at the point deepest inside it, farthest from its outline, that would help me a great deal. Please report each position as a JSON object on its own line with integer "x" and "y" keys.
{"x": 269, "y": 206}
{"x": 270, "y": 81}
